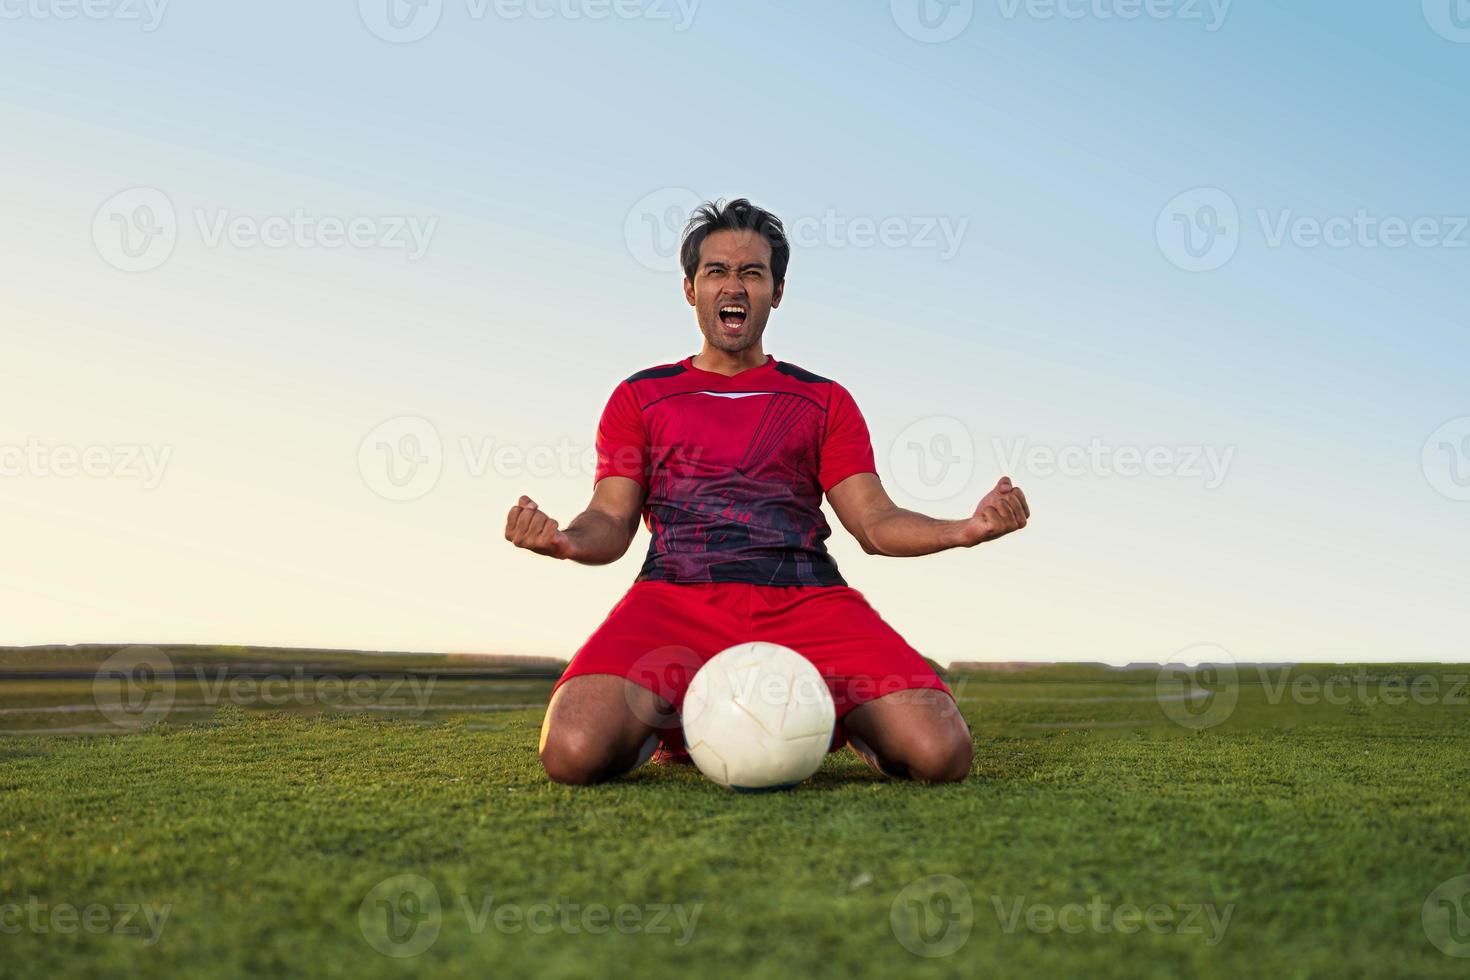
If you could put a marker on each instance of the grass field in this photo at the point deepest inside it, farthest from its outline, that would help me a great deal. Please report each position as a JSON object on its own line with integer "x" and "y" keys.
{"x": 1097, "y": 837}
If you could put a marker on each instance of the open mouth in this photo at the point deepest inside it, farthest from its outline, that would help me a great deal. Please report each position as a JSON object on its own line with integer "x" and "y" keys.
{"x": 733, "y": 315}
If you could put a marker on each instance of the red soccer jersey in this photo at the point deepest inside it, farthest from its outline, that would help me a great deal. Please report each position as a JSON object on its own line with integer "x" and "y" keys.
{"x": 734, "y": 469}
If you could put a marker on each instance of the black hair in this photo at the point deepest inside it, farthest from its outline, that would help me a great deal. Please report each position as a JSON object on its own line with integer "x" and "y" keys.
{"x": 738, "y": 215}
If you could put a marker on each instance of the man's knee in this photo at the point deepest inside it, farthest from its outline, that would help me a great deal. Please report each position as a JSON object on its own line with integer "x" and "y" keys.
{"x": 940, "y": 756}
{"x": 574, "y": 757}
{"x": 918, "y": 734}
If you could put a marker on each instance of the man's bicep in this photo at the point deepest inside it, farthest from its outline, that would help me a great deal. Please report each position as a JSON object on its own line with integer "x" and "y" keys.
{"x": 857, "y": 500}
{"x": 847, "y": 448}
{"x": 622, "y": 440}
{"x": 620, "y": 498}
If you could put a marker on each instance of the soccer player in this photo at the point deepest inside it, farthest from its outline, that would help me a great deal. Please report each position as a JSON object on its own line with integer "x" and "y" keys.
{"x": 725, "y": 456}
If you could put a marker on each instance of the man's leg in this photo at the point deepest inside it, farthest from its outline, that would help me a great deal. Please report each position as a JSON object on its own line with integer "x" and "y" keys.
{"x": 896, "y": 710}
{"x": 614, "y": 698}
{"x": 600, "y": 726}
{"x": 914, "y": 734}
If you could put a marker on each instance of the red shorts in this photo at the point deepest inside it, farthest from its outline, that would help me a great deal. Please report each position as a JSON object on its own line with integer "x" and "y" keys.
{"x": 660, "y": 633}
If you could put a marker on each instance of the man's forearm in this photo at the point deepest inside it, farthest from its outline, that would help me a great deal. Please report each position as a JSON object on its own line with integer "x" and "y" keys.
{"x": 900, "y": 533}
{"x": 598, "y": 538}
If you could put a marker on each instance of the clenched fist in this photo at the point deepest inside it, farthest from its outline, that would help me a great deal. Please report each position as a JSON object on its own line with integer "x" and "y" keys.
{"x": 527, "y": 527}
{"x": 1000, "y": 512}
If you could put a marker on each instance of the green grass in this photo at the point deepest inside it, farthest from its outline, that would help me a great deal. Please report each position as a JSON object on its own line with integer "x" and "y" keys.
{"x": 1322, "y": 829}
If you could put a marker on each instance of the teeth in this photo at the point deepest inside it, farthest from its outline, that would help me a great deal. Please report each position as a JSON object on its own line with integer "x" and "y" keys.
{"x": 732, "y": 309}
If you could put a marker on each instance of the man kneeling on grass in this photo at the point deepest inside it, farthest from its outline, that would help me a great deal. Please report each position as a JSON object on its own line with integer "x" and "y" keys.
{"x": 725, "y": 456}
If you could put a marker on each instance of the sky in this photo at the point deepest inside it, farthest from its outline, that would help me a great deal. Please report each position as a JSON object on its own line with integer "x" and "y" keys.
{"x": 298, "y": 299}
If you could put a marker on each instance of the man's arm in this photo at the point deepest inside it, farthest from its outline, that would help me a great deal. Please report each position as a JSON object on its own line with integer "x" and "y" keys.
{"x": 884, "y": 528}
{"x": 599, "y": 535}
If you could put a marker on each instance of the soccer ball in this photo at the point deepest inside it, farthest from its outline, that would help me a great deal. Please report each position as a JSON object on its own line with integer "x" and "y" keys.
{"x": 758, "y": 716}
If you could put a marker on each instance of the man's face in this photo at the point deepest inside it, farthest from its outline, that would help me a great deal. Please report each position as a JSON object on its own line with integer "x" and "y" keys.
{"x": 732, "y": 291}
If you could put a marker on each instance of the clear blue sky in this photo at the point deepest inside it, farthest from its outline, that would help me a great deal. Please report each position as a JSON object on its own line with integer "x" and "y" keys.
{"x": 1226, "y": 239}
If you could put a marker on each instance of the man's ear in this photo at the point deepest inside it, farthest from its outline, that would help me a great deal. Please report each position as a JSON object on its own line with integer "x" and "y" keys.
{"x": 689, "y": 290}
{"x": 776, "y": 296}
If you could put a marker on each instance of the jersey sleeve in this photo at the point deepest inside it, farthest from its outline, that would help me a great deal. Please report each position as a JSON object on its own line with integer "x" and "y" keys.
{"x": 846, "y": 446}
{"x": 622, "y": 441}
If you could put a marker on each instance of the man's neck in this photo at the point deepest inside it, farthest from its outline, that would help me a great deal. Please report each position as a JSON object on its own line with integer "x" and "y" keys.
{"x": 724, "y": 362}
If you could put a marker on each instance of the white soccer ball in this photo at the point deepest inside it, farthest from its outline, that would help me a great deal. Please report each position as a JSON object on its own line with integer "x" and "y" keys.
{"x": 758, "y": 716}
